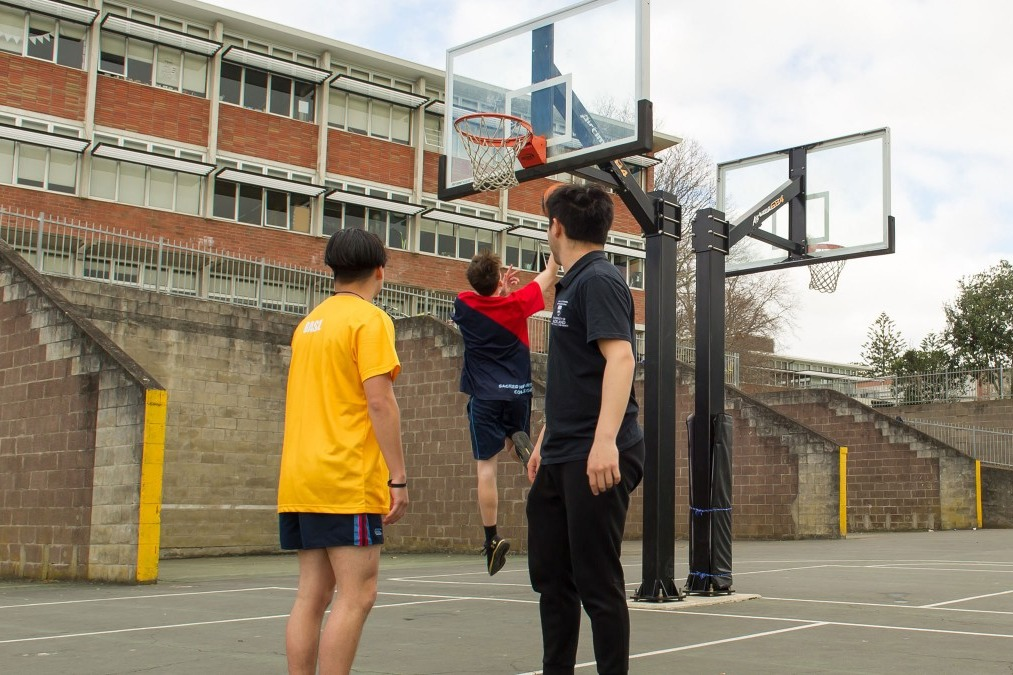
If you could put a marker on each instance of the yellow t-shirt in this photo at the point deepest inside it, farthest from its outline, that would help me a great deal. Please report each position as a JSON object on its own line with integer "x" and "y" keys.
{"x": 330, "y": 459}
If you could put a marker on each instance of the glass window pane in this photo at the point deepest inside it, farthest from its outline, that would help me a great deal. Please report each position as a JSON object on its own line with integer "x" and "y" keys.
{"x": 255, "y": 89}
{"x": 445, "y": 243}
{"x": 401, "y": 124}
{"x": 187, "y": 193}
{"x": 195, "y": 75}
{"x": 380, "y": 119}
{"x": 355, "y": 216}
{"x": 232, "y": 77}
{"x": 161, "y": 188}
{"x": 6, "y": 161}
{"x": 332, "y": 217}
{"x": 427, "y": 236}
{"x": 41, "y": 36}
{"x": 378, "y": 224}
{"x": 277, "y": 208}
{"x": 513, "y": 251}
{"x": 358, "y": 114}
{"x": 281, "y": 95}
{"x": 305, "y": 99}
{"x": 114, "y": 53}
{"x": 251, "y": 199}
{"x": 140, "y": 56}
{"x": 31, "y": 165}
{"x": 170, "y": 64}
{"x": 301, "y": 212}
{"x": 131, "y": 183}
{"x": 103, "y": 178}
{"x": 636, "y": 273}
{"x": 336, "y": 102}
{"x": 434, "y": 129}
{"x": 398, "y": 237}
{"x": 225, "y": 200}
{"x": 466, "y": 249}
{"x": 70, "y": 50}
{"x": 12, "y": 29}
{"x": 62, "y": 171}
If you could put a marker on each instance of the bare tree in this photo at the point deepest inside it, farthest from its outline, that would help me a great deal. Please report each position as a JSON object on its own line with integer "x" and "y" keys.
{"x": 757, "y": 307}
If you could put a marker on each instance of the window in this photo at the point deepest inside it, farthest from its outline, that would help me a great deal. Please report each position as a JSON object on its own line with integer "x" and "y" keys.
{"x": 392, "y": 228}
{"x": 371, "y": 116}
{"x": 434, "y": 129}
{"x": 42, "y": 37}
{"x": 141, "y": 185}
{"x": 153, "y": 64}
{"x": 452, "y": 240}
{"x": 525, "y": 253}
{"x": 267, "y": 92}
{"x": 256, "y": 205}
{"x": 37, "y": 165}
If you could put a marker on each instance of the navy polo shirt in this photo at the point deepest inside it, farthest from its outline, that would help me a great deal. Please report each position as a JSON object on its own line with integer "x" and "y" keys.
{"x": 593, "y": 302}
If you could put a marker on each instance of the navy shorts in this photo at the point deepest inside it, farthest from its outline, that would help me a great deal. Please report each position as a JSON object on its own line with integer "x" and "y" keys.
{"x": 323, "y": 530}
{"x": 492, "y": 422}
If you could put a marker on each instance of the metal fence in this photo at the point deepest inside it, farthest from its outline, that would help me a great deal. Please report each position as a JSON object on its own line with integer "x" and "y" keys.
{"x": 986, "y": 445}
{"x": 953, "y": 386}
{"x": 72, "y": 249}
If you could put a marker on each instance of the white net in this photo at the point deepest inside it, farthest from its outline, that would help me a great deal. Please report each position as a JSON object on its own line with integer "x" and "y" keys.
{"x": 492, "y": 143}
{"x": 823, "y": 276}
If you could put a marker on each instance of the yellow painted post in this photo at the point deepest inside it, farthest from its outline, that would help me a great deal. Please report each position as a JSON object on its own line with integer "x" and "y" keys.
{"x": 844, "y": 491}
{"x": 149, "y": 525}
{"x": 977, "y": 489}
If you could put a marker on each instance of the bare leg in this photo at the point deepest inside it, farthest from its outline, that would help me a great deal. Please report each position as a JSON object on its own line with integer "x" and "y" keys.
{"x": 488, "y": 498}
{"x": 302, "y": 633}
{"x": 355, "y": 570}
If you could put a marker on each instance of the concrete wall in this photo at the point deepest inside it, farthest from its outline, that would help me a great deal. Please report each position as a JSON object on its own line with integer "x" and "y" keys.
{"x": 225, "y": 370}
{"x": 988, "y": 414}
{"x": 898, "y": 477}
{"x": 80, "y": 442}
{"x": 996, "y": 497}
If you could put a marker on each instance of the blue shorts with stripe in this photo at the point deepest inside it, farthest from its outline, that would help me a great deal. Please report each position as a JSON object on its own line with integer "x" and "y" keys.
{"x": 492, "y": 422}
{"x": 323, "y": 530}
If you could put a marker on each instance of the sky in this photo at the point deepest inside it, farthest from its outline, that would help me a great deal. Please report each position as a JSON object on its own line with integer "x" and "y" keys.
{"x": 744, "y": 77}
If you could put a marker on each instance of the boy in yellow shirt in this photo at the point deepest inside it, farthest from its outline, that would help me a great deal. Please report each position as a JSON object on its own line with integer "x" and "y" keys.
{"x": 342, "y": 465}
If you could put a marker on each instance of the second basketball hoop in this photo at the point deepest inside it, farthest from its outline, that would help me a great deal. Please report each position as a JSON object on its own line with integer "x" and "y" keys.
{"x": 494, "y": 142}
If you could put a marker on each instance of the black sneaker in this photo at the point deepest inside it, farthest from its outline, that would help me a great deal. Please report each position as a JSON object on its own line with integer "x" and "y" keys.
{"x": 495, "y": 554}
{"x": 522, "y": 446}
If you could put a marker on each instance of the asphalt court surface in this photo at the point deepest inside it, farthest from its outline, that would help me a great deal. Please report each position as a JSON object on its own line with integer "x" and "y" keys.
{"x": 922, "y": 602}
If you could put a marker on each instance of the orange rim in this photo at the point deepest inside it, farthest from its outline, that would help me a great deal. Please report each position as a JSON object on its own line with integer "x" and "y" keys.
{"x": 508, "y": 142}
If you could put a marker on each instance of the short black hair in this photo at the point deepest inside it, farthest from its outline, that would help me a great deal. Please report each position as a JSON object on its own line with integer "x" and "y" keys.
{"x": 353, "y": 254}
{"x": 484, "y": 272}
{"x": 585, "y": 212}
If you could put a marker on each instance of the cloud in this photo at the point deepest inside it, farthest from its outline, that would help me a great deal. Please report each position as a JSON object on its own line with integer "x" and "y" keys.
{"x": 744, "y": 77}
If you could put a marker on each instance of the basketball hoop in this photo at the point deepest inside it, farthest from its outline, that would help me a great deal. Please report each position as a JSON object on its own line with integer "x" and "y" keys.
{"x": 493, "y": 142}
{"x": 823, "y": 276}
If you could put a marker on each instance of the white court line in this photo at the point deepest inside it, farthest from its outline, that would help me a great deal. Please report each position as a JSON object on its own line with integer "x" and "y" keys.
{"x": 140, "y": 597}
{"x": 974, "y": 597}
{"x": 911, "y": 567}
{"x": 895, "y": 605}
{"x": 196, "y": 623}
{"x": 592, "y": 664}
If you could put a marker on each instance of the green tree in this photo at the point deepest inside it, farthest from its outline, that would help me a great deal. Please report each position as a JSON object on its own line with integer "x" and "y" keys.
{"x": 925, "y": 374}
{"x": 884, "y": 346}
{"x": 979, "y": 324}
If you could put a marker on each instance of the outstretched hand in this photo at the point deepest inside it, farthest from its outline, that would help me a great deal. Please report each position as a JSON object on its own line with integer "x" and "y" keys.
{"x": 510, "y": 280}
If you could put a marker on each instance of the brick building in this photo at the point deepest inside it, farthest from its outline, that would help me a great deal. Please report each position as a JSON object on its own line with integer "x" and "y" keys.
{"x": 205, "y": 127}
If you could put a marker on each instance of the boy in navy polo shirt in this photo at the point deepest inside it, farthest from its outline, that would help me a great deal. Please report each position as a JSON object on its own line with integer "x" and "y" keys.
{"x": 590, "y": 454}
{"x": 497, "y": 375}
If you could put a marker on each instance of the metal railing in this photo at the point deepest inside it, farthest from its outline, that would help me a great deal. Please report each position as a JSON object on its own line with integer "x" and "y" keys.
{"x": 985, "y": 384}
{"x": 195, "y": 269}
{"x": 989, "y": 446}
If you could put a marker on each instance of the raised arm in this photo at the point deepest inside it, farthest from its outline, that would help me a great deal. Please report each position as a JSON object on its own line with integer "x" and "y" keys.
{"x": 547, "y": 277}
